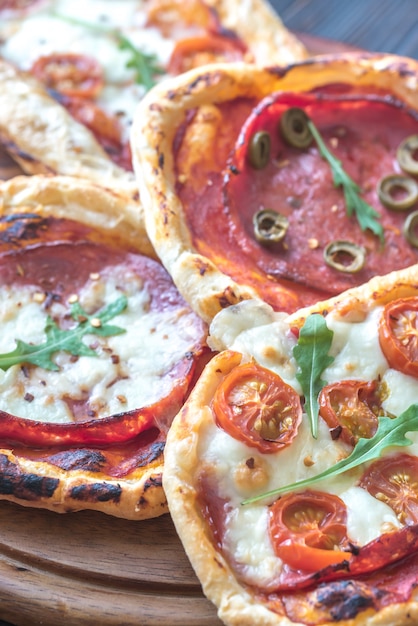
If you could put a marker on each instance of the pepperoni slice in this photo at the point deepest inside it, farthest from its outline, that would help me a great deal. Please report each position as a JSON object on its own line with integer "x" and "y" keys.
{"x": 57, "y": 258}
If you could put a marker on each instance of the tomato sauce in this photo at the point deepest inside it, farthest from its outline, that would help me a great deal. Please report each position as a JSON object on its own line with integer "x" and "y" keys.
{"x": 223, "y": 192}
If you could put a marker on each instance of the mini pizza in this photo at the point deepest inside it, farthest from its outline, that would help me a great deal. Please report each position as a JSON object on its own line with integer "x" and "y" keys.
{"x": 287, "y": 184}
{"x": 71, "y": 80}
{"x": 291, "y": 472}
{"x": 98, "y": 351}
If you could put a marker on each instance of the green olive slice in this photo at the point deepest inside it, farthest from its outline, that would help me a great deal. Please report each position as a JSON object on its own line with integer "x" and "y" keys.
{"x": 410, "y": 229}
{"x": 259, "y": 149}
{"x": 397, "y": 192}
{"x": 407, "y": 155}
{"x": 345, "y": 256}
{"x": 294, "y": 128}
{"x": 269, "y": 226}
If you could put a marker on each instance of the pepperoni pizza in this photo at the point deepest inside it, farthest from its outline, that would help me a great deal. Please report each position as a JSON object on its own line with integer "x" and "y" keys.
{"x": 289, "y": 184}
{"x": 98, "y": 351}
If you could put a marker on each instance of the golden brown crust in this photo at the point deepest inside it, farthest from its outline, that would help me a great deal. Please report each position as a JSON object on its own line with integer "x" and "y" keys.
{"x": 159, "y": 116}
{"x": 236, "y": 605}
{"x": 41, "y": 484}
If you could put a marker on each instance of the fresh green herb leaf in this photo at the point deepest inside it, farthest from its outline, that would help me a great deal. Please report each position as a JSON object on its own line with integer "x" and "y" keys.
{"x": 366, "y": 216}
{"x": 390, "y": 432}
{"x": 69, "y": 340}
{"x": 311, "y": 354}
{"x": 145, "y": 65}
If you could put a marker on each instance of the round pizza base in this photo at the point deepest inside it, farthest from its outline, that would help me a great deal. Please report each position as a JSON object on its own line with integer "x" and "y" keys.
{"x": 236, "y": 605}
{"x": 160, "y": 116}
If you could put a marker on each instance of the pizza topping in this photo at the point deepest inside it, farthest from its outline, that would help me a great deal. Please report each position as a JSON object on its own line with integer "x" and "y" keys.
{"x": 390, "y": 432}
{"x": 398, "y": 335}
{"x": 71, "y": 74}
{"x": 309, "y": 530}
{"x": 350, "y": 409}
{"x": 259, "y": 149}
{"x": 270, "y": 226}
{"x": 295, "y": 128}
{"x": 394, "y": 480}
{"x": 345, "y": 256}
{"x": 407, "y": 155}
{"x": 326, "y": 191}
{"x": 68, "y": 340}
{"x": 257, "y": 407}
{"x": 366, "y": 216}
{"x": 312, "y": 355}
{"x": 410, "y": 229}
{"x": 398, "y": 192}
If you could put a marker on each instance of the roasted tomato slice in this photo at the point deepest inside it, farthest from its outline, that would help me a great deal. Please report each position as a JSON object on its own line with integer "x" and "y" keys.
{"x": 255, "y": 406}
{"x": 350, "y": 409}
{"x": 308, "y": 530}
{"x": 71, "y": 74}
{"x": 394, "y": 481}
{"x": 106, "y": 128}
{"x": 398, "y": 335}
{"x": 197, "y": 51}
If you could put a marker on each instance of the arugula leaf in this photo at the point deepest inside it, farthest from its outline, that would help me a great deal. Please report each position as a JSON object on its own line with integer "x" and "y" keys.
{"x": 311, "y": 354}
{"x": 366, "y": 215}
{"x": 145, "y": 65}
{"x": 390, "y": 432}
{"x": 69, "y": 340}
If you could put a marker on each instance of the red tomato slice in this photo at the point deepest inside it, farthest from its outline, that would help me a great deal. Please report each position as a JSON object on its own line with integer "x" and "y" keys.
{"x": 106, "y": 128}
{"x": 308, "y": 530}
{"x": 197, "y": 51}
{"x": 18, "y": 6}
{"x": 394, "y": 481}
{"x": 350, "y": 409}
{"x": 71, "y": 74}
{"x": 255, "y": 406}
{"x": 398, "y": 335}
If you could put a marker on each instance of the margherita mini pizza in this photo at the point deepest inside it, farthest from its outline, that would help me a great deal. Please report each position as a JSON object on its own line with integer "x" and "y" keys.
{"x": 291, "y": 472}
{"x": 73, "y": 75}
{"x": 98, "y": 352}
{"x": 289, "y": 184}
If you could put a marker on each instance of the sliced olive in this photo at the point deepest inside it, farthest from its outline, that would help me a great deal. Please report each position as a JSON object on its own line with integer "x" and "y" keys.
{"x": 410, "y": 229}
{"x": 398, "y": 192}
{"x": 269, "y": 226}
{"x": 345, "y": 256}
{"x": 259, "y": 149}
{"x": 407, "y": 155}
{"x": 294, "y": 128}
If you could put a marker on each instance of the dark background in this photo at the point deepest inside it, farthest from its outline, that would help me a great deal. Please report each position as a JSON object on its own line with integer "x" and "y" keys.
{"x": 374, "y": 25}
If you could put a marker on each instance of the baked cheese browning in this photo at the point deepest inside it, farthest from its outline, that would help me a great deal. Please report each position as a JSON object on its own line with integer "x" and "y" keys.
{"x": 330, "y": 517}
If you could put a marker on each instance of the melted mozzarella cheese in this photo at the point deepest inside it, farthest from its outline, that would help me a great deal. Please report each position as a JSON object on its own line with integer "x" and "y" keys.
{"x": 129, "y": 370}
{"x": 43, "y": 33}
{"x": 357, "y": 355}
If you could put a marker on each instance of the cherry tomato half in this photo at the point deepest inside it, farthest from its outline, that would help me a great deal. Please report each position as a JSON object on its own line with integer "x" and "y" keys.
{"x": 197, "y": 51}
{"x": 71, "y": 74}
{"x": 351, "y": 407}
{"x": 398, "y": 335}
{"x": 394, "y": 481}
{"x": 255, "y": 406}
{"x": 308, "y": 529}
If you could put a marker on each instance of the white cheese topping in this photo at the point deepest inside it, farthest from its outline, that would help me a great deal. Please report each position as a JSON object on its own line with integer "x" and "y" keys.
{"x": 129, "y": 369}
{"x": 357, "y": 355}
{"x": 22, "y": 42}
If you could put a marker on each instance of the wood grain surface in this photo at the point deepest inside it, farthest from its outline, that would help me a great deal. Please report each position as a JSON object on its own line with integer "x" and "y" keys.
{"x": 85, "y": 569}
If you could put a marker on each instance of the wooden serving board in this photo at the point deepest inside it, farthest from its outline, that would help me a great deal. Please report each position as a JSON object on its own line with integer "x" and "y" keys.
{"x": 86, "y": 568}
